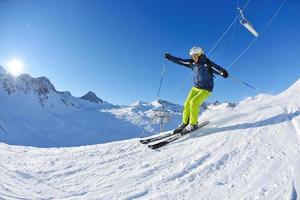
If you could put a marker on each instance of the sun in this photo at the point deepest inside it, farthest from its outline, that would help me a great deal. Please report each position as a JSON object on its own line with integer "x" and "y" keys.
{"x": 15, "y": 67}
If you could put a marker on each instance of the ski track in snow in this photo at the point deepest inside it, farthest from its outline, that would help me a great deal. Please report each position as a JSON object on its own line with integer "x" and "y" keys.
{"x": 247, "y": 152}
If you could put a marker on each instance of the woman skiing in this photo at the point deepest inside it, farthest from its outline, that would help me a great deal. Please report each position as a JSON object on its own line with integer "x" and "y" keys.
{"x": 203, "y": 69}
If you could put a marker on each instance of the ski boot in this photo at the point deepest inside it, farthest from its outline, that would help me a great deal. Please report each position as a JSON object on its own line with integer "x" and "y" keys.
{"x": 180, "y": 128}
{"x": 189, "y": 128}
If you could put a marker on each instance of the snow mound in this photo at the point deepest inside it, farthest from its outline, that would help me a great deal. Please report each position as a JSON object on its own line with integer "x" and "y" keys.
{"x": 293, "y": 90}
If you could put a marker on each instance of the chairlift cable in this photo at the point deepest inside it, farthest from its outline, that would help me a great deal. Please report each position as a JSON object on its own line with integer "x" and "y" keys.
{"x": 253, "y": 41}
{"x": 228, "y": 28}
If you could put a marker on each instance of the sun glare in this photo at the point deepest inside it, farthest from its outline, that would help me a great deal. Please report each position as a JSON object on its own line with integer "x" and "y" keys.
{"x": 15, "y": 67}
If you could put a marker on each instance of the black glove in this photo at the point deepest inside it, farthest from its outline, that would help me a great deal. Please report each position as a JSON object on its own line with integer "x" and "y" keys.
{"x": 168, "y": 56}
{"x": 224, "y": 73}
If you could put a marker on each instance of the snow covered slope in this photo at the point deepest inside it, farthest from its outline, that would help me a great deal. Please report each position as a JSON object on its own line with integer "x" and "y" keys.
{"x": 250, "y": 151}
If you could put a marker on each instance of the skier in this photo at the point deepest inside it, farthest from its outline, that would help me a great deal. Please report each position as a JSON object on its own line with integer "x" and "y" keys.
{"x": 203, "y": 69}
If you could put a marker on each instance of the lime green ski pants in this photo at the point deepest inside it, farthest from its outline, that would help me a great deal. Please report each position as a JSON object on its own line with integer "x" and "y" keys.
{"x": 192, "y": 103}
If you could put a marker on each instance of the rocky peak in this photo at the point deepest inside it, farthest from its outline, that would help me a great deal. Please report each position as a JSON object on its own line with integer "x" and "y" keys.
{"x": 43, "y": 86}
{"x": 92, "y": 97}
{"x": 26, "y": 84}
{"x": 25, "y": 78}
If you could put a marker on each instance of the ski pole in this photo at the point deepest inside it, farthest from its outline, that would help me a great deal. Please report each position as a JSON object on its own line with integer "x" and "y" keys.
{"x": 161, "y": 79}
{"x": 242, "y": 82}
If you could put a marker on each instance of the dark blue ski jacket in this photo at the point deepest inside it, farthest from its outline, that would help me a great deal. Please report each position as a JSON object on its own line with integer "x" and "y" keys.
{"x": 203, "y": 70}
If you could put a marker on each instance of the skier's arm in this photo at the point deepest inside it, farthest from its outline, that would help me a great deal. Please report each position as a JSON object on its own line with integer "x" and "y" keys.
{"x": 180, "y": 61}
{"x": 216, "y": 69}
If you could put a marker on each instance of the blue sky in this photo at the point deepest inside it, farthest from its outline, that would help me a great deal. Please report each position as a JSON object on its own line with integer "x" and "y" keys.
{"x": 116, "y": 48}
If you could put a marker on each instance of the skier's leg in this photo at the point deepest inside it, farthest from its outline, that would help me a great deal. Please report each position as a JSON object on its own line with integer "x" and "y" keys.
{"x": 195, "y": 103}
{"x": 186, "y": 108}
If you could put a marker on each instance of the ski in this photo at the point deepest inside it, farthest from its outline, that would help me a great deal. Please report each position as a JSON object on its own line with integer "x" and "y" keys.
{"x": 165, "y": 142}
{"x": 175, "y": 137}
{"x": 155, "y": 138}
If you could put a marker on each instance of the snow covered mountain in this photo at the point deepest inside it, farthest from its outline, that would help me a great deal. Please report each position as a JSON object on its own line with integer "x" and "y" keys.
{"x": 248, "y": 151}
{"x": 34, "y": 113}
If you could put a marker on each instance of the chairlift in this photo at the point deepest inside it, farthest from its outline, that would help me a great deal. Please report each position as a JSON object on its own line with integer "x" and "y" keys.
{"x": 246, "y": 23}
{"x": 162, "y": 115}
{"x": 161, "y": 112}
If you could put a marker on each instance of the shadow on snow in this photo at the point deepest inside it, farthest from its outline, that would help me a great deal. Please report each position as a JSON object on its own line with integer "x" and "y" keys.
{"x": 270, "y": 121}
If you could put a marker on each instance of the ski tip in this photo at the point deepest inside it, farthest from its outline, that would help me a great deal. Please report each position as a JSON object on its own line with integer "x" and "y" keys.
{"x": 204, "y": 123}
{"x": 144, "y": 141}
{"x": 158, "y": 145}
{"x": 152, "y": 147}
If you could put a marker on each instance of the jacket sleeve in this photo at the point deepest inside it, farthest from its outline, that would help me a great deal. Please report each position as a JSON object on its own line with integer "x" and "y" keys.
{"x": 216, "y": 69}
{"x": 180, "y": 61}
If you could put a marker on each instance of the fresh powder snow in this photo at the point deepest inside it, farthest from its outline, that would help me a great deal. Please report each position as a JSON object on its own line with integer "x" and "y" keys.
{"x": 248, "y": 151}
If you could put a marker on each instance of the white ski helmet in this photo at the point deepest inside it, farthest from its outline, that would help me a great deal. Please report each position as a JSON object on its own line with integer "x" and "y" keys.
{"x": 196, "y": 50}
